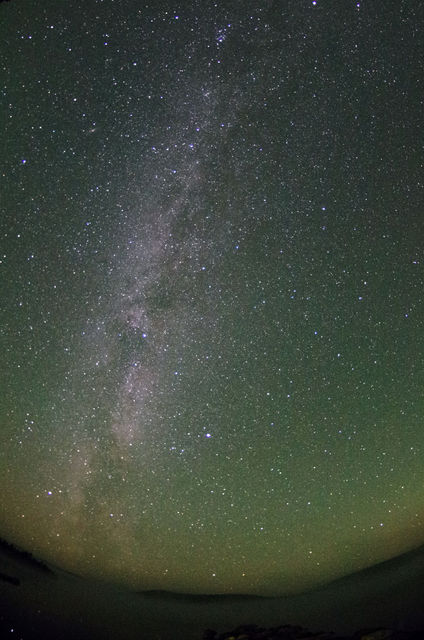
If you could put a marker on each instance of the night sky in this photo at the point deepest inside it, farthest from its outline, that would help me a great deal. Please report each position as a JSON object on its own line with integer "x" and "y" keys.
{"x": 212, "y": 272}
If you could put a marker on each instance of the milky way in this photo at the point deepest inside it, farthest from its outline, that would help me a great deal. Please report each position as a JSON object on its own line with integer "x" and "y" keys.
{"x": 212, "y": 322}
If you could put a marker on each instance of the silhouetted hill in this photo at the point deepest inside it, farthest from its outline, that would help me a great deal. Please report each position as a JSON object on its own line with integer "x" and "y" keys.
{"x": 202, "y": 598}
{"x": 407, "y": 567}
{"x": 387, "y": 596}
{"x": 20, "y": 555}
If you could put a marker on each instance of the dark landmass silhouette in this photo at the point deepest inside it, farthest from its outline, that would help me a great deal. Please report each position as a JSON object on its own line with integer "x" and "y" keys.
{"x": 158, "y": 594}
{"x": 11, "y": 579}
{"x": 41, "y": 601}
{"x": 296, "y": 632}
{"x": 20, "y": 555}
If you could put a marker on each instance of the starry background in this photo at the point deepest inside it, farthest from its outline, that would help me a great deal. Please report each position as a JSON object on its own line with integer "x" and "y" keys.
{"x": 212, "y": 289}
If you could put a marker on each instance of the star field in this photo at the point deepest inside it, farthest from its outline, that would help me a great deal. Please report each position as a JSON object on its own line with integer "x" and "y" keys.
{"x": 212, "y": 289}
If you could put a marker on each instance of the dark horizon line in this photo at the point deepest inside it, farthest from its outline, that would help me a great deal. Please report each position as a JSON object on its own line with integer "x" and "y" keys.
{"x": 50, "y": 568}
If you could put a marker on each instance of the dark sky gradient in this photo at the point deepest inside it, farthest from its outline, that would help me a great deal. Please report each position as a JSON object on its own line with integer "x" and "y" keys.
{"x": 212, "y": 289}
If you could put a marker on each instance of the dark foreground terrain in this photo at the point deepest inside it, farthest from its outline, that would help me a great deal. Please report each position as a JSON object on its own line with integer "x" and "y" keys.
{"x": 289, "y": 632}
{"x": 42, "y": 602}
